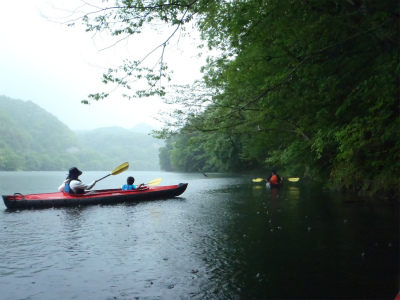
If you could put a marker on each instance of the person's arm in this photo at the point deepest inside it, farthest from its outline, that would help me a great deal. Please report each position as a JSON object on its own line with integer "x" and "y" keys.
{"x": 62, "y": 186}
{"x": 137, "y": 186}
{"x": 92, "y": 184}
{"x": 77, "y": 185}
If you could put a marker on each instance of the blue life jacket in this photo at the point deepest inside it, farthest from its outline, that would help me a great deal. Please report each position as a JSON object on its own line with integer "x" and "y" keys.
{"x": 128, "y": 187}
{"x": 67, "y": 188}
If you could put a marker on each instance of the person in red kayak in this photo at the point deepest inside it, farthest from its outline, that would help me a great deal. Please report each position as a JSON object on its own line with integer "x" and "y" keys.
{"x": 274, "y": 178}
{"x": 73, "y": 185}
{"x": 129, "y": 184}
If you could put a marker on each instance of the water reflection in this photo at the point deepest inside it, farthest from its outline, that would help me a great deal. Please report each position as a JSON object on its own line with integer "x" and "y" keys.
{"x": 274, "y": 192}
{"x": 293, "y": 193}
{"x": 258, "y": 190}
{"x": 73, "y": 220}
{"x": 225, "y": 239}
{"x": 281, "y": 237}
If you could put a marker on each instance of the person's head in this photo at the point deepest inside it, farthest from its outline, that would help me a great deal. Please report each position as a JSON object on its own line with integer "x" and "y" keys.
{"x": 130, "y": 180}
{"x": 74, "y": 173}
{"x": 274, "y": 172}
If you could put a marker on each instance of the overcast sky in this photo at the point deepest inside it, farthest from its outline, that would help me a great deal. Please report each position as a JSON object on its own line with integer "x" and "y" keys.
{"x": 57, "y": 66}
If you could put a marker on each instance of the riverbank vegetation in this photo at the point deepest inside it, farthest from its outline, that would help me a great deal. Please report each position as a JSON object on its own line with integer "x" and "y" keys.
{"x": 310, "y": 87}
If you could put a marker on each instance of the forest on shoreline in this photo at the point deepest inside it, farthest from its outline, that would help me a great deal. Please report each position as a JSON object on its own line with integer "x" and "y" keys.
{"x": 310, "y": 88}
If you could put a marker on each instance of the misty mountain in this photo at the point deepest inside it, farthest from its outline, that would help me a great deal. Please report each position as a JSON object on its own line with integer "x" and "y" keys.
{"x": 12, "y": 135}
{"x": 33, "y": 139}
{"x": 142, "y": 128}
{"x": 25, "y": 125}
{"x": 140, "y": 149}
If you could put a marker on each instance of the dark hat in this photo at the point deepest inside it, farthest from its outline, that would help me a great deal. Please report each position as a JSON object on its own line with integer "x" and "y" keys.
{"x": 74, "y": 172}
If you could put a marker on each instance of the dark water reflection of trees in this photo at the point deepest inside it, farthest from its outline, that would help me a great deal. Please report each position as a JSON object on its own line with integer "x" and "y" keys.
{"x": 299, "y": 241}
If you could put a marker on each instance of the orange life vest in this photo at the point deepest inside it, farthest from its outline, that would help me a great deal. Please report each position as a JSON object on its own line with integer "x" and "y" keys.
{"x": 274, "y": 179}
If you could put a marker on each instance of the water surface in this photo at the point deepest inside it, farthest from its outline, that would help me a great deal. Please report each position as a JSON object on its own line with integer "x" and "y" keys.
{"x": 224, "y": 238}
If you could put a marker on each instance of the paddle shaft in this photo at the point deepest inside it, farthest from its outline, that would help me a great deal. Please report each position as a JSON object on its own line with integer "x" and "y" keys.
{"x": 103, "y": 177}
{"x": 121, "y": 168}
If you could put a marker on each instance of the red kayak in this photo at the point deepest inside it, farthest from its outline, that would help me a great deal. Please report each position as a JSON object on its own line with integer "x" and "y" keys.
{"x": 58, "y": 199}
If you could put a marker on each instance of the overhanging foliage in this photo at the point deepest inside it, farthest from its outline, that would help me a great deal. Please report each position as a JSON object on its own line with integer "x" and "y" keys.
{"x": 311, "y": 86}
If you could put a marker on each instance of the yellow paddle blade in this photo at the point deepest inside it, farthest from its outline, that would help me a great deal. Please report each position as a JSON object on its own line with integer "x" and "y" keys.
{"x": 293, "y": 179}
{"x": 120, "y": 169}
{"x": 258, "y": 180}
{"x": 155, "y": 181}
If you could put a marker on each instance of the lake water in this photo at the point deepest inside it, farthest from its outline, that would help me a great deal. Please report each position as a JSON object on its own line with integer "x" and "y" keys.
{"x": 224, "y": 238}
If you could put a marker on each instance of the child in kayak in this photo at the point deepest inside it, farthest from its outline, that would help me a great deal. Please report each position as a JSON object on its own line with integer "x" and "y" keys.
{"x": 129, "y": 184}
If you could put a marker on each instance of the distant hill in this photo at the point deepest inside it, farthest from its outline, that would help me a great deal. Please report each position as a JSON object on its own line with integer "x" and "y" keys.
{"x": 142, "y": 128}
{"x": 120, "y": 144}
{"x": 26, "y": 125}
{"x": 13, "y": 135}
{"x": 33, "y": 139}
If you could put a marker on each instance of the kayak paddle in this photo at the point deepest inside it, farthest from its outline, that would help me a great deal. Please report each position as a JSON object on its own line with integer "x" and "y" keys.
{"x": 117, "y": 170}
{"x": 258, "y": 180}
{"x": 292, "y": 179}
{"x": 155, "y": 182}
